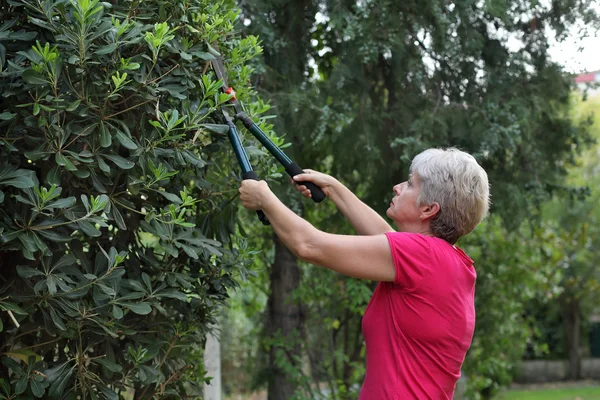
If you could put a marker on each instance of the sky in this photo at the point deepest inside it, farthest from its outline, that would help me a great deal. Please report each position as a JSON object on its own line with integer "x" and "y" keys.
{"x": 567, "y": 53}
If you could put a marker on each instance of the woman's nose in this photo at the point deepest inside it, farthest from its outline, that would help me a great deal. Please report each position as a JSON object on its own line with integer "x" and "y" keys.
{"x": 397, "y": 189}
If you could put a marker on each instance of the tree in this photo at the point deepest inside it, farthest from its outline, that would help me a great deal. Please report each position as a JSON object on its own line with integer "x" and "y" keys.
{"x": 384, "y": 80}
{"x": 289, "y": 34}
{"x": 116, "y": 181}
{"x": 575, "y": 220}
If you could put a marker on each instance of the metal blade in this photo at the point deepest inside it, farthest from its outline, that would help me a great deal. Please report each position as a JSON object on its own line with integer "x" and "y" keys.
{"x": 221, "y": 73}
{"x": 219, "y": 69}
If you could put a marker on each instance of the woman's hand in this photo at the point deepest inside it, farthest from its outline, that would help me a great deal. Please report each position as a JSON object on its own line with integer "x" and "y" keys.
{"x": 254, "y": 193}
{"x": 324, "y": 181}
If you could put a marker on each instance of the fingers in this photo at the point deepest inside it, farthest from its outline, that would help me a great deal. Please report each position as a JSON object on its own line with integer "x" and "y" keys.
{"x": 302, "y": 189}
{"x": 305, "y": 178}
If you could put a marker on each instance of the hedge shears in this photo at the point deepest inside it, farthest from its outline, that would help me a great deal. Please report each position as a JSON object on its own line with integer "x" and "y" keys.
{"x": 291, "y": 167}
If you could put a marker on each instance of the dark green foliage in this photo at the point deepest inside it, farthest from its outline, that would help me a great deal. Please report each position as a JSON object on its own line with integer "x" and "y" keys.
{"x": 116, "y": 181}
{"x": 391, "y": 78}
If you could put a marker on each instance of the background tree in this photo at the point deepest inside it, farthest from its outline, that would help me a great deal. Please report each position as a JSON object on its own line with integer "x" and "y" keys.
{"x": 384, "y": 80}
{"x": 116, "y": 184}
{"x": 574, "y": 221}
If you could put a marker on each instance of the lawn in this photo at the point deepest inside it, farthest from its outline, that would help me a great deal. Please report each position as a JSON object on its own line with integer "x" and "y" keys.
{"x": 564, "y": 393}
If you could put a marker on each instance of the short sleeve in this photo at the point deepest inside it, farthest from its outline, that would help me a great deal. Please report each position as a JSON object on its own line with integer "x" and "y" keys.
{"x": 412, "y": 258}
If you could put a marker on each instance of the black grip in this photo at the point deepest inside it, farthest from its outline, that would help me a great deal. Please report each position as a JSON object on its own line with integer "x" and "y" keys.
{"x": 317, "y": 194}
{"x": 261, "y": 215}
{"x": 246, "y": 120}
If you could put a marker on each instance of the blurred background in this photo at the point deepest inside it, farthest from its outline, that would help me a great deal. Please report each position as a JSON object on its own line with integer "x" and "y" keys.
{"x": 359, "y": 88}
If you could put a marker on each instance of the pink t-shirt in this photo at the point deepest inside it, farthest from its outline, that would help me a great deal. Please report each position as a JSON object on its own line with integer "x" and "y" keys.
{"x": 418, "y": 329}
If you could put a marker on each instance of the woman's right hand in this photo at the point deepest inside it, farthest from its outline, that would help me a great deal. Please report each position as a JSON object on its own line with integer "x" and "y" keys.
{"x": 324, "y": 181}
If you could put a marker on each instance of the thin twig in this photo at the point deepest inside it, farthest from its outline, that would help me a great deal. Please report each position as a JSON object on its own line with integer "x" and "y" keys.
{"x": 127, "y": 109}
{"x": 166, "y": 73}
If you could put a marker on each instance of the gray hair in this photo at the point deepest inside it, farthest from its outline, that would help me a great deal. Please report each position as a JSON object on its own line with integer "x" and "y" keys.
{"x": 454, "y": 180}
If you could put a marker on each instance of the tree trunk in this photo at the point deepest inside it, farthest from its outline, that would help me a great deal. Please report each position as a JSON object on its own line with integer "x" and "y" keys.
{"x": 284, "y": 318}
{"x": 572, "y": 318}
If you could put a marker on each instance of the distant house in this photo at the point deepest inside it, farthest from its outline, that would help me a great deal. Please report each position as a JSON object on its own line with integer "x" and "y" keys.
{"x": 588, "y": 80}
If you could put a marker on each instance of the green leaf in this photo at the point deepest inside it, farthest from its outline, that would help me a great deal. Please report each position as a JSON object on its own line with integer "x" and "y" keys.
{"x": 20, "y": 178}
{"x": 216, "y": 128}
{"x": 173, "y": 120}
{"x": 53, "y": 176}
{"x": 51, "y": 284}
{"x": 111, "y": 366}
{"x": 86, "y": 202}
{"x": 188, "y": 250}
{"x": 108, "y": 393}
{"x": 173, "y": 294}
{"x": 57, "y": 320}
{"x": 5, "y": 305}
{"x": 21, "y": 385}
{"x": 28, "y": 272}
{"x": 203, "y": 55}
{"x": 120, "y": 161}
{"x": 65, "y": 261}
{"x": 54, "y": 236}
{"x": 117, "y": 312}
{"x": 109, "y": 48}
{"x": 34, "y": 78}
{"x": 22, "y": 35}
{"x": 62, "y": 203}
{"x": 6, "y": 116}
{"x": 37, "y": 388}
{"x": 59, "y": 376}
{"x": 107, "y": 290}
{"x": 82, "y": 174}
{"x": 139, "y": 308}
{"x": 4, "y": 386}
{"x": 65, "y": 162}
{"x": 147, "y": 281}
{"x": 12, "y": 364}
{"x": 103, "y": 165}
{"x": 118, "y": 218}
{"x": 1, "y": 326}
{"x": 171, "y": 197}
{"x": 89, "y": 229}
{"x": 28, "y": 242}
{"x": 105, "y": 137}
{"x": 37, "y": 154}
{"x": 126, "y": 141}
{"x": 73, "y": 106}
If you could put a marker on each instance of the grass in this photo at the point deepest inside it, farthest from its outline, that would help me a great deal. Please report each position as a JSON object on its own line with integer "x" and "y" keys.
{"x": 563, "y": 393}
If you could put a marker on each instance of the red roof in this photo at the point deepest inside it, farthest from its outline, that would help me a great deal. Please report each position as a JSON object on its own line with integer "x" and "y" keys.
{"x": 587, "y": 77}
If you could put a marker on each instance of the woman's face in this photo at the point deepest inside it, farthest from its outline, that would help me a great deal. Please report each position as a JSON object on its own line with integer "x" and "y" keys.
{"x": 403, "y": 209}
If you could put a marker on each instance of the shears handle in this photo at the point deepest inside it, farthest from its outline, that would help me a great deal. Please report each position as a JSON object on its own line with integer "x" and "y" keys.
{"x": 261, "y": 215}
{"x": 242, "y": 157}
{"x": 291, "y": 167}
{"x": 316, "y": 193}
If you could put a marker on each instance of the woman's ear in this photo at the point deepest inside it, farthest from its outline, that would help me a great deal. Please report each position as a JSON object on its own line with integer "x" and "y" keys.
{"x": 429, "y": 211}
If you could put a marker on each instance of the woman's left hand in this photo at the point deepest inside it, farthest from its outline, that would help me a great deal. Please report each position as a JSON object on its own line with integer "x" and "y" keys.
{"x": 253, "y": 193}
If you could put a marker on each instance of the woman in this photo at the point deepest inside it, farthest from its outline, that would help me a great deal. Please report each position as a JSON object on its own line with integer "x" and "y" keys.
{"x": 419, "y": 323}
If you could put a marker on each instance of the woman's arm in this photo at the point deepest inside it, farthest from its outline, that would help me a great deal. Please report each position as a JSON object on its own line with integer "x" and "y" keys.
{"x": 365, "y": 257}
{"x": 362, "y": 217}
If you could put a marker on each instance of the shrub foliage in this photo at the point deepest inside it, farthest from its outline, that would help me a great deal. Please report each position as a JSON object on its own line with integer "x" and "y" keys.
{"x": 116, "y": 184}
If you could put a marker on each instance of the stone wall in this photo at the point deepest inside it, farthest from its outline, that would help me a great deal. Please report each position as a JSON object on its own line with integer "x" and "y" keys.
{"x": 540, "y": 371}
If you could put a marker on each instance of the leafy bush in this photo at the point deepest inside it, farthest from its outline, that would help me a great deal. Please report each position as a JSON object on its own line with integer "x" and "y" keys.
{"x": 116, "y": 183}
